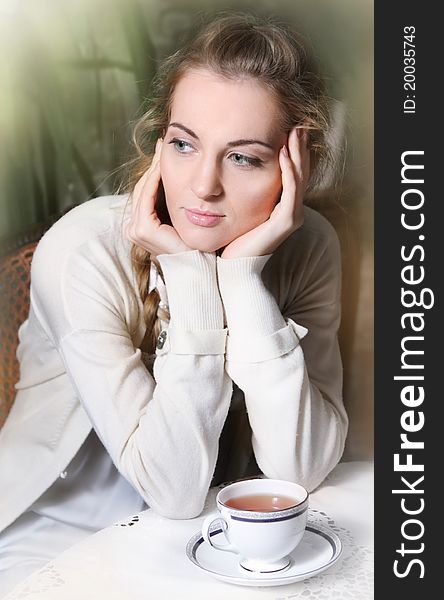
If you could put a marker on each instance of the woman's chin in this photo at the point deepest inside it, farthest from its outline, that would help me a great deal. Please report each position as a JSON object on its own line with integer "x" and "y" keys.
{"x": 204, "y": 243}
{"x": 204, "y": 247}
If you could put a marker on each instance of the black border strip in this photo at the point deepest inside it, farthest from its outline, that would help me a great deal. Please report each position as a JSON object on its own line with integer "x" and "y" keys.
{"x": 398, "y": 131}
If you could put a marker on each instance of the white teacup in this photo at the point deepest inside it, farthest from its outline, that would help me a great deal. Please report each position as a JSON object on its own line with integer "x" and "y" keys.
{"x": 260, "y": 529}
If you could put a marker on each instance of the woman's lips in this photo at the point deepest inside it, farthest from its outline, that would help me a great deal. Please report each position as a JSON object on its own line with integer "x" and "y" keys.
{"x": 204, "y": 219}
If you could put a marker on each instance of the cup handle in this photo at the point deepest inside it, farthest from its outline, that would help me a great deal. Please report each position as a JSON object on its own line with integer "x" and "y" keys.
{"x": 207, "y": 537}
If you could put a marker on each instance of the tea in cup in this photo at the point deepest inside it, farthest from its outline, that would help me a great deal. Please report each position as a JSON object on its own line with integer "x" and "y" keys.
{"x": 263, "y": 520}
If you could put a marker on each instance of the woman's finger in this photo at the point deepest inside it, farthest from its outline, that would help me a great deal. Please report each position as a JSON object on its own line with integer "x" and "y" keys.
{"x": 299, "y": 153}
{"x": 148, "y": 194}
{"x": 143, "y": 188}
{"x": 288, "y": 181}
{"x": 293, "y": 184}
{"x": 294, "y": 146}
{"x": 144, "y": 195}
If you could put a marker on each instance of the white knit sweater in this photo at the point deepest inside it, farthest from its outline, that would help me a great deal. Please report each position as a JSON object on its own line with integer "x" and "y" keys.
{"x": 232, "y": 320}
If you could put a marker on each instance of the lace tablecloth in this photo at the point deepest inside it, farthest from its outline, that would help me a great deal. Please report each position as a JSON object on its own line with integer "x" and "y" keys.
{"x": 144, "y": 556}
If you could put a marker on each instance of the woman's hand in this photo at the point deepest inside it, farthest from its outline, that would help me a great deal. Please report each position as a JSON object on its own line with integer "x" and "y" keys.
{"x": 144, "y": 227}
{"x": 287, "y": 215}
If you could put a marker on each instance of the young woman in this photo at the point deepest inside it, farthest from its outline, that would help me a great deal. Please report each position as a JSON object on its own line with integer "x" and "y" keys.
{"x": 186, "y": 332}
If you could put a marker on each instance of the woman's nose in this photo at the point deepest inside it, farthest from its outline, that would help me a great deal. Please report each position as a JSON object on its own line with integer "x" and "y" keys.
{"x": 206, "y": 182}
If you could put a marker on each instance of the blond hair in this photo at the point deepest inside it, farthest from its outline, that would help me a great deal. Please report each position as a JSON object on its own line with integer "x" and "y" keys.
{"x": 234, "y": 45}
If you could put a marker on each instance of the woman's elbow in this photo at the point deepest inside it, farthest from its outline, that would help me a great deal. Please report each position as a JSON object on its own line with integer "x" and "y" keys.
{"x": 172, "y": 493}
{"x": 178, "y": 507}
{"x": 326, "y": 459}
{"x": 309, "y": 465}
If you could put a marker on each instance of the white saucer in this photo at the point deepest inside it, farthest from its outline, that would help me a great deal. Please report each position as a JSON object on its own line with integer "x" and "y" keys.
{"x": 318, "y": 550}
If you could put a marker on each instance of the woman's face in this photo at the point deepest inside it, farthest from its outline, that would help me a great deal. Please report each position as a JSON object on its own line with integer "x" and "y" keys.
{"x": 219, "y": 161}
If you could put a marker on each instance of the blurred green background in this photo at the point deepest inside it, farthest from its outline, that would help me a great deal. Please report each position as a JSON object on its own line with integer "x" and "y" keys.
{"x": 76, "y": 74}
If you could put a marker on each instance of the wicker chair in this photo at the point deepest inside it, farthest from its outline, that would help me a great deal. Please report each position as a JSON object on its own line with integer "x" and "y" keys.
{"x": 16, "y": 254}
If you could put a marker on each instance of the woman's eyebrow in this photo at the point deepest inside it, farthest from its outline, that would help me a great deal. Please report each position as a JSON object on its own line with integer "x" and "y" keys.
{"x": 241, "y": 142}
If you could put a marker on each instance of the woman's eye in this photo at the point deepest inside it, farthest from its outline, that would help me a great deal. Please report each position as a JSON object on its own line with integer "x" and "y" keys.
{"x": 245, "y": 161}
{"x": 180, "y": 145}
{"x": 240, "y": 160}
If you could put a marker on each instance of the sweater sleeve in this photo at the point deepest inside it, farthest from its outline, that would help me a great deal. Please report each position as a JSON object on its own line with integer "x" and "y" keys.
{"x": 288, "y": 365}
{"x": 162, "y": 433}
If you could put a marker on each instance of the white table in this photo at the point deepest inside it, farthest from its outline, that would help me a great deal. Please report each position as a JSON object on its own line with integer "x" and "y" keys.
{"x": 147, "y": 560}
